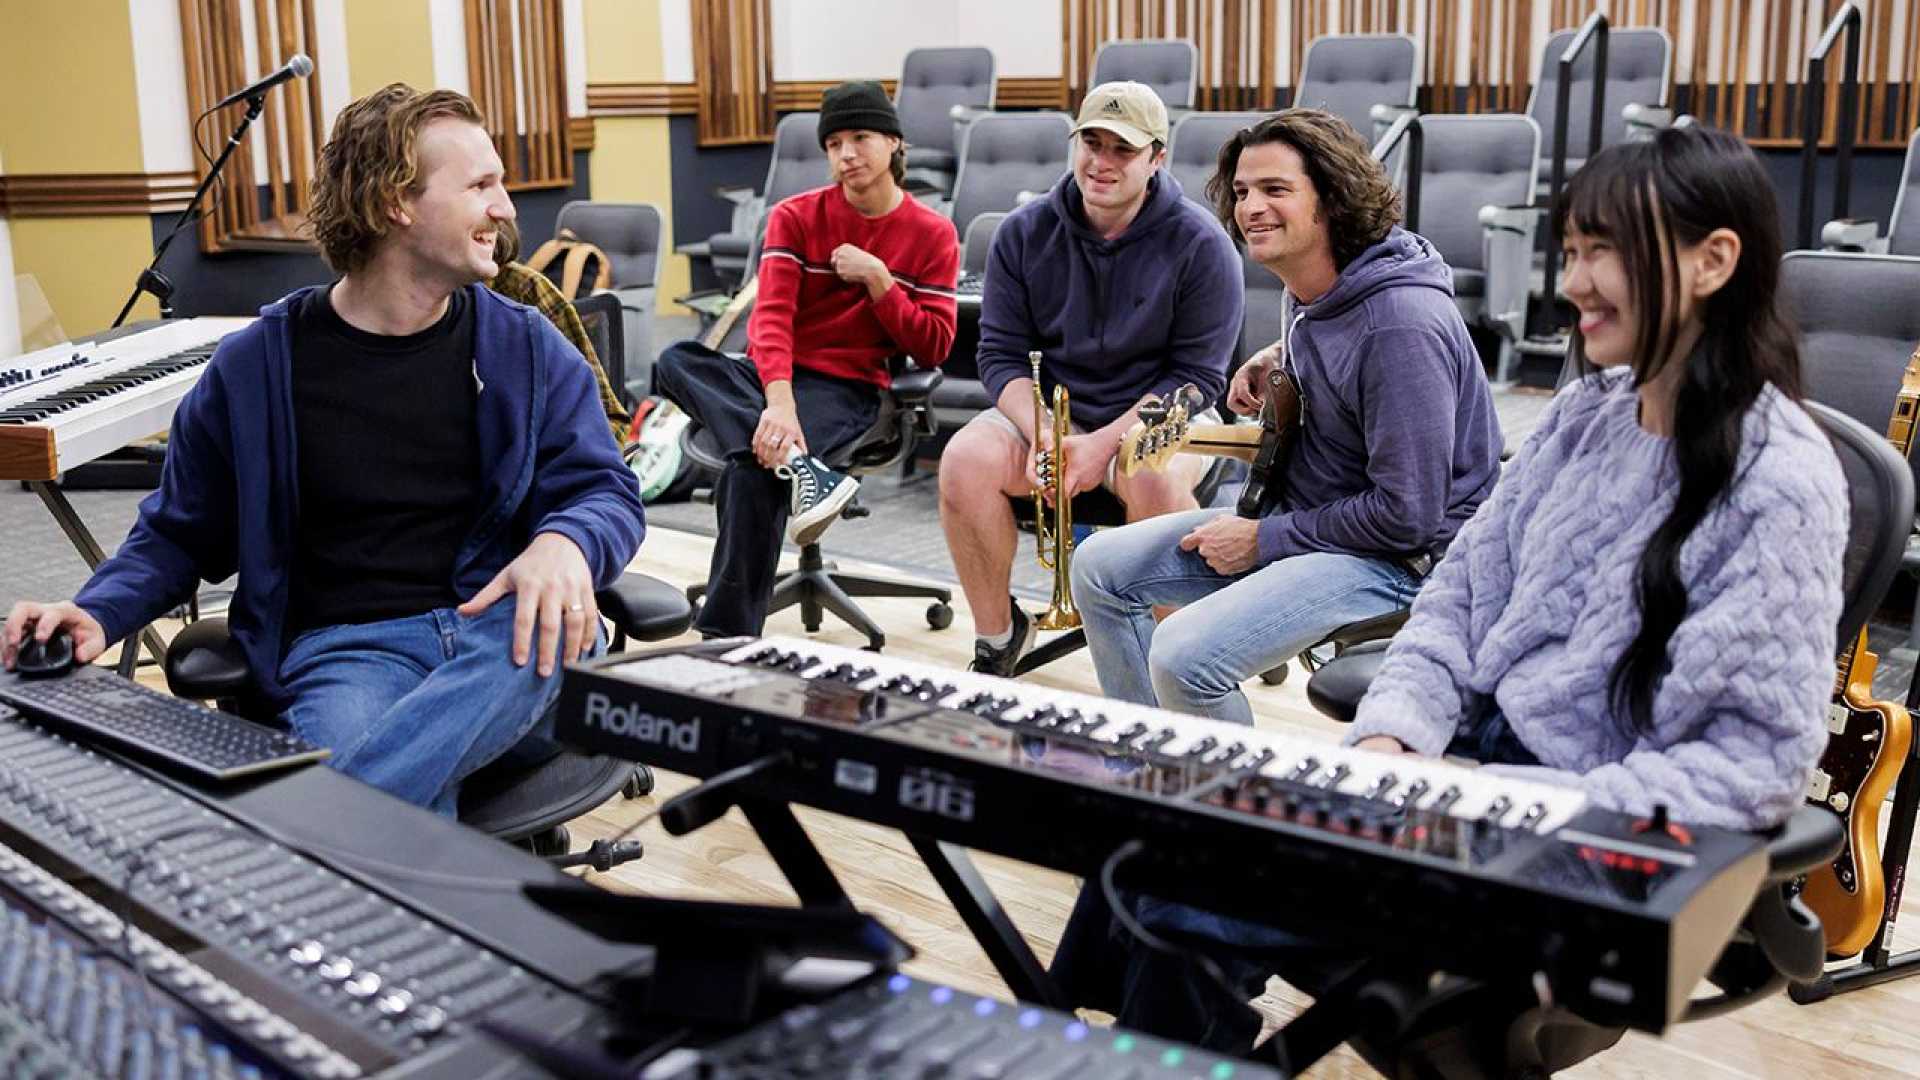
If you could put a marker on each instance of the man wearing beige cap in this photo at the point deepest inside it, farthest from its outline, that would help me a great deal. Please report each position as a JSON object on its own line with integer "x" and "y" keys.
{"x": 1127, "y": 288}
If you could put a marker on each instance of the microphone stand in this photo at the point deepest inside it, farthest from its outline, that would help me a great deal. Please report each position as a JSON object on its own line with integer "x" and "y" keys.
{"x": 151, "y": 280}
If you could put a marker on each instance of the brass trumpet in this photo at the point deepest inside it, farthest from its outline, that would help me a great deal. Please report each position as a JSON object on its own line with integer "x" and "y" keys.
{"x": 1055, "y": 538}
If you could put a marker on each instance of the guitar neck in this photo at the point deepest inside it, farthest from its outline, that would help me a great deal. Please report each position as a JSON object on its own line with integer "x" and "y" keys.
{"x": 1240, "y": 441}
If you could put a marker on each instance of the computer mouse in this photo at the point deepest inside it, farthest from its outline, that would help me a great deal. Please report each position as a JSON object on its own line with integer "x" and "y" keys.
{"x": 45, "y": 659}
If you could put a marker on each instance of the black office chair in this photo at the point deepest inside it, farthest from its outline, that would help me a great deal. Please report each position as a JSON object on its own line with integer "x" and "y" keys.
{"x": 1781, "y": 941}
{"x": 818, "y": 586}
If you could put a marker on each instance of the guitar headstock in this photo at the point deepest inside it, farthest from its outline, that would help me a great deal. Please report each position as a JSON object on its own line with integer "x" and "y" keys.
{"x": 1161, "y": 433}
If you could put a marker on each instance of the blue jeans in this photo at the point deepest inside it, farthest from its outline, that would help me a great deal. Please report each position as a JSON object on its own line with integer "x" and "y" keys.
{"x": 413, "y": 706}
{"x": 1228, "y": 629}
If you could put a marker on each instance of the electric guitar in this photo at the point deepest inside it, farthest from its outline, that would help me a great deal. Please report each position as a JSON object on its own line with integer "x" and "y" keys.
{"x": 1166, "y": 429}
{"x": 1868, "y": 742}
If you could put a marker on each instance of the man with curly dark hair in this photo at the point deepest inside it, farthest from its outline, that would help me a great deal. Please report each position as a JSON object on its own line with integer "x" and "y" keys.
{"x": 1398, "y": 446}
{"x": 379, "y": 462}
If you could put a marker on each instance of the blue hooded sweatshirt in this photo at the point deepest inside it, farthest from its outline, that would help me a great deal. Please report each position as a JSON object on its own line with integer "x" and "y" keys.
{"x": 1157, "y": 306}
{"x": 1399, "y": 442}
{"x": 228, "y": 500}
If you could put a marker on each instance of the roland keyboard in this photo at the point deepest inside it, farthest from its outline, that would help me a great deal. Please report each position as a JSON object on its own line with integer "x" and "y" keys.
{"x": 1486, "y": 873}
{"x": 64, "y": 406}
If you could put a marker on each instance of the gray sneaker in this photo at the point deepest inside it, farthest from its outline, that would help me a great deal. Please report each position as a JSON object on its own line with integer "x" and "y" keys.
{"x": 819, "y": 494}
{"x": 991, "y": 661}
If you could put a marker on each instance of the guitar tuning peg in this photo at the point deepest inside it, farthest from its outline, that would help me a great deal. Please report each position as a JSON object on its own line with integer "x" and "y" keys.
{"x": 1152, "y": 411}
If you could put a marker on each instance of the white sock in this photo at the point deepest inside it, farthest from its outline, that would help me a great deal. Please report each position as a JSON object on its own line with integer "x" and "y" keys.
{"x": 999, "y": 640}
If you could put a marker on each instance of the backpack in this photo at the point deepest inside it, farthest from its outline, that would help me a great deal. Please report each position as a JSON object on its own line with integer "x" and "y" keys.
{"x": 574, "y": 255}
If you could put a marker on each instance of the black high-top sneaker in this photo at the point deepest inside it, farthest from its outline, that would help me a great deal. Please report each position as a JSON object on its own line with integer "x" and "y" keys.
{"x": 819, "y": 494}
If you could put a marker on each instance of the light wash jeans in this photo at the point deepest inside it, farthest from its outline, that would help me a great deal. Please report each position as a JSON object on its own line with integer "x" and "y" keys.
{"x": 413, "y": 706}
{"x": 1228, "y": 629}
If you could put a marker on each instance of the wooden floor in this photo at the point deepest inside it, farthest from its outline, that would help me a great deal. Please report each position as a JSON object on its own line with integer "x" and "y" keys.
{"x": 1874, "y": 1032}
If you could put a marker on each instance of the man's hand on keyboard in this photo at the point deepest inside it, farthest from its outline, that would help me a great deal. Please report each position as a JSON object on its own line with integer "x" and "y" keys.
{"x": 41, "y": 620}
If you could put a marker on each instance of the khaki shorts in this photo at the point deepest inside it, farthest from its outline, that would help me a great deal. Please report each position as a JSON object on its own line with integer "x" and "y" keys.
{"x": 995, "y": 418}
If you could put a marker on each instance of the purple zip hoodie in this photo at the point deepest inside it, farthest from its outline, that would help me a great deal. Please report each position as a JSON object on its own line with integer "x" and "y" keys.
{"x": 1400, "y": 443}
{"x": 1157, "y": 306}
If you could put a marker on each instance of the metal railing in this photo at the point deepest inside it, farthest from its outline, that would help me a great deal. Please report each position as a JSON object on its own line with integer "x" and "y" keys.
{"x": 1813, "y": 116}
{"x": 1592, "y": 32}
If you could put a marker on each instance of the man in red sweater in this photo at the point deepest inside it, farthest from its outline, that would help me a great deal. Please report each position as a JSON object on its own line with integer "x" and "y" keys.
{"x": 850, "y": 275}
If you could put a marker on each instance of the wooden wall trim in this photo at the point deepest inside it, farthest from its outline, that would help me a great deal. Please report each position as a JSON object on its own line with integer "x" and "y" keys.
{"x": 580, "y": 132}
{"x": 24, "y": 195}
{"x": 681, "y": 99}
{"x": 642, "y": 99}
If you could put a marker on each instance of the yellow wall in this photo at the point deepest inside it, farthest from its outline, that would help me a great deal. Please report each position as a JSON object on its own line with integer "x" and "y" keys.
{"x": 85, "y": 265}
{"x": 623, "y": 40}
{"x": 66, "y": 76}
{"x": 631, "y": 159}
{"x": 388, "y": 41}
{"x": 66, "y": 72}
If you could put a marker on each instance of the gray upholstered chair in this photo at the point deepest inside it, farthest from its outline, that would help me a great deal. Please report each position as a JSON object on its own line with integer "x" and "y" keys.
{"x": 1166, "y": 64}
{"x": 1471, "y": 164}
{"x": 1349, "y": 74}
{"x": 1903, "y": 226}
{"x": 798, "y": 164}
{"x": 1195, "y": 147}
{"x": 932, "y": 83}
{"x": 1639, "y": 72}
{"x": 1006, "y": 154}
{"x": 630, "y": 234}
{"x": 1858, "y": 326}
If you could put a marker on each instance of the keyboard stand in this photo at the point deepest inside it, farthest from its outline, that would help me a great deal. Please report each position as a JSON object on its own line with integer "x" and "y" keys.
{"x": 815, "y": 883}
{"x": 89, "y": 549}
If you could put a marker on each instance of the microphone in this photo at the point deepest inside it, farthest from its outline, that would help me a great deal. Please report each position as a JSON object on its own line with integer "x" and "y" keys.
{"x": 297, "y": 68}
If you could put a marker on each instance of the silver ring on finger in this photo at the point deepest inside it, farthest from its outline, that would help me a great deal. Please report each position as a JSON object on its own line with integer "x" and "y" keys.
{"x": 576, "y": 608}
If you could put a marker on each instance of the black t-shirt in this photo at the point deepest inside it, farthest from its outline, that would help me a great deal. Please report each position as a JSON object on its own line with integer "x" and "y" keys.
{"x": 389, "y": 465}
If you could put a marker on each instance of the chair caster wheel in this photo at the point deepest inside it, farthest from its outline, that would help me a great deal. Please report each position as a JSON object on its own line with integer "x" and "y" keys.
{"x": 639, "y": 784}
{"x": 555, "y": 841}
{"x": 940, "y": 616}
{"x": 1274, "y": 676}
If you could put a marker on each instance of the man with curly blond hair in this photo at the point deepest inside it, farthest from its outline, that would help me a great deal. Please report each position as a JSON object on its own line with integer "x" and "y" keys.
{"x": 1399, "y": 442}
{"x": 380, "y": 462}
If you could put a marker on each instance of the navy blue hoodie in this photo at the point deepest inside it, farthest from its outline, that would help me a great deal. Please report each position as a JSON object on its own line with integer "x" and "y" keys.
{"x": 1400, "y": 442}
{"x": 228, "y": 499}
{"x": 1158, "y": 306}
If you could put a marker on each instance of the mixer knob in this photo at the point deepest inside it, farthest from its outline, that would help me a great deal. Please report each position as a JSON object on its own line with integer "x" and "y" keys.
{"x": 307, "y": 953}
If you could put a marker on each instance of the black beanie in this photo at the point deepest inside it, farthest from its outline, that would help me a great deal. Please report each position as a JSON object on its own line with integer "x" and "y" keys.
{"x": 859, "y": 106}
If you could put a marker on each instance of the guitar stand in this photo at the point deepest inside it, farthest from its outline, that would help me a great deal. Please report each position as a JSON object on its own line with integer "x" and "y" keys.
{"x": 1878, "y": 963}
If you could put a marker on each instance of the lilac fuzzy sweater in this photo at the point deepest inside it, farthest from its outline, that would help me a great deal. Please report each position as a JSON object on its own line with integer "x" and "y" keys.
{"x": 1536, "y": 600}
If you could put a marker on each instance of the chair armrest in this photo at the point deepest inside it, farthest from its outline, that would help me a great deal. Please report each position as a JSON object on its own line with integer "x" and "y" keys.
{"x": 726, "y": 244}
{"x": 1851, "y": 234}
{"x": 1506, "y": 250}
{"x": 1337, "y": 688}
{"x": 1811, "y": 837}
{"x": 1643, "y": 120}
{"x": 1384, "y": 116}
{"x": 647, "y": 608}
{"x": 912, "y": 385}
{"x": 967, "y": 114}
{"x": 205, "y": 663}
{"x": 737, "y": 194}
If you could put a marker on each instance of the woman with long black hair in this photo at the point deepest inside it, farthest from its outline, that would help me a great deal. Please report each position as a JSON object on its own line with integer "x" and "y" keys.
{"x": 1647, "y": 602}
{"x": 1645, "y": 607}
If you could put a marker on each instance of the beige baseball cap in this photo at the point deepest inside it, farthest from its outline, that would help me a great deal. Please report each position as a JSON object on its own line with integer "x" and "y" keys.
{"x": 1130, "y": 110}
